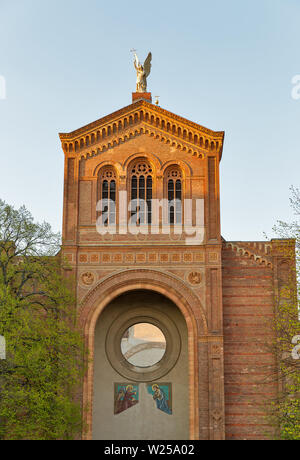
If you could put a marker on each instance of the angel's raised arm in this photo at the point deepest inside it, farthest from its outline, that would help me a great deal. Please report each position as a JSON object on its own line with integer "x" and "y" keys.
{"x": 136, "y": 61}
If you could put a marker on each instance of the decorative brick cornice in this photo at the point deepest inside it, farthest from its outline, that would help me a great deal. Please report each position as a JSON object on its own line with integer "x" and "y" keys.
{"x": 130, "y": 134}
{"x": 258, "y": 251}
{"x": 138, "y": 118}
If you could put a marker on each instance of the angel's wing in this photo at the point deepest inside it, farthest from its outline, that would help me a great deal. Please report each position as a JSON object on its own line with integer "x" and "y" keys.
{"x": 147, "y": 65}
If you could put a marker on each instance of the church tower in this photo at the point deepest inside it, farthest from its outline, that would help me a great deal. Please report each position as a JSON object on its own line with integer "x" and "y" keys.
{"x": 155, "y": 280}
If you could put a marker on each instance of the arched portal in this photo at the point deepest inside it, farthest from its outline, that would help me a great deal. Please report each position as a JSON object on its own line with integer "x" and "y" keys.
{"x": 131, "y": 399}
{"x": 182, "y": 299}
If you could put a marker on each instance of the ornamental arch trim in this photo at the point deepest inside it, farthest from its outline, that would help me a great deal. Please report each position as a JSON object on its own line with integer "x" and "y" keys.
{"x": 108, "y": 164}
{"x": 185, "y": 168}
{"x": 168, "y": 285}
{"x": 143, "y": 156}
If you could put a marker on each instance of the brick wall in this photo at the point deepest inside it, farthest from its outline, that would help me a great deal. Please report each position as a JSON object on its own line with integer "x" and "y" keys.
{"x": 248, "y": 297}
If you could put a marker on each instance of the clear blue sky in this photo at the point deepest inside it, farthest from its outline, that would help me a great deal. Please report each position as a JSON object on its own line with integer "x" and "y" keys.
{"x": 227, "y": 65}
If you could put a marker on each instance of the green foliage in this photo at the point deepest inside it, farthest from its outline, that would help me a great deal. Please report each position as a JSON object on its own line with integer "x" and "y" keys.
{"x": 285, "y": 411}
{"x": 41, "y": 377}
{"x": 288, "y": 415}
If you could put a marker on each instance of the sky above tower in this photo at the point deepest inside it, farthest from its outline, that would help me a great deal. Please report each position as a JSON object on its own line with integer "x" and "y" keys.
{"x": 228, "y": 66}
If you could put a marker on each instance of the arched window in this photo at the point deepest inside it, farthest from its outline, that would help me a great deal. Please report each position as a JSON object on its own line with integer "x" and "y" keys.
{"x": 141, "y": 180}
{"x": 107, "y": 192}
{"x": 174, "y": 194}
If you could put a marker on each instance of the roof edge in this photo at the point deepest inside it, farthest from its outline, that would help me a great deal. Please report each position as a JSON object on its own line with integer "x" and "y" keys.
{"x": 141, "y": 103}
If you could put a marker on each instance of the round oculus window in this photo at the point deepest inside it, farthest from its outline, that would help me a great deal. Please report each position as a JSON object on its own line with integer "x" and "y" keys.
{"x": 143, "y": 345}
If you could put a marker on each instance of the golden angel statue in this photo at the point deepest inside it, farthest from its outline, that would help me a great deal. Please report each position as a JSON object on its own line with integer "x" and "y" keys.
{"x": 142, "y": 72}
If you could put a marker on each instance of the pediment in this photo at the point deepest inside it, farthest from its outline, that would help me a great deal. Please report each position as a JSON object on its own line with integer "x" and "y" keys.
{"x": 142, "y": 118}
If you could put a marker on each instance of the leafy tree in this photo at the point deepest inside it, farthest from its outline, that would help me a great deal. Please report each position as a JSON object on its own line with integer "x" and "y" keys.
{"x": 41, "y": 376}
{"x": 285, "y": 411}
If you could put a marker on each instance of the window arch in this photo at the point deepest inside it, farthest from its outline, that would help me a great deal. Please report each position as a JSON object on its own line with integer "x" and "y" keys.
{"x": 141, "y": 184}
{"x": 174, "y": 192}
{"x": 107, "y": 193}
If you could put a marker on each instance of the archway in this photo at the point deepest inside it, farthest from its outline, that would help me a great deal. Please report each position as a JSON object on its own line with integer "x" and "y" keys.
{"x": 173, "y": 289}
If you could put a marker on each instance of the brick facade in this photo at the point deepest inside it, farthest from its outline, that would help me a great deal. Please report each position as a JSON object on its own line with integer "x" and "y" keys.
{"x": 225, "y": 291}
{"x": 248, "y": 298}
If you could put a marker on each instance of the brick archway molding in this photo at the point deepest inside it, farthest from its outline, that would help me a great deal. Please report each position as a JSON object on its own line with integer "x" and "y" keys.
{"x": 154, "y": 280}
